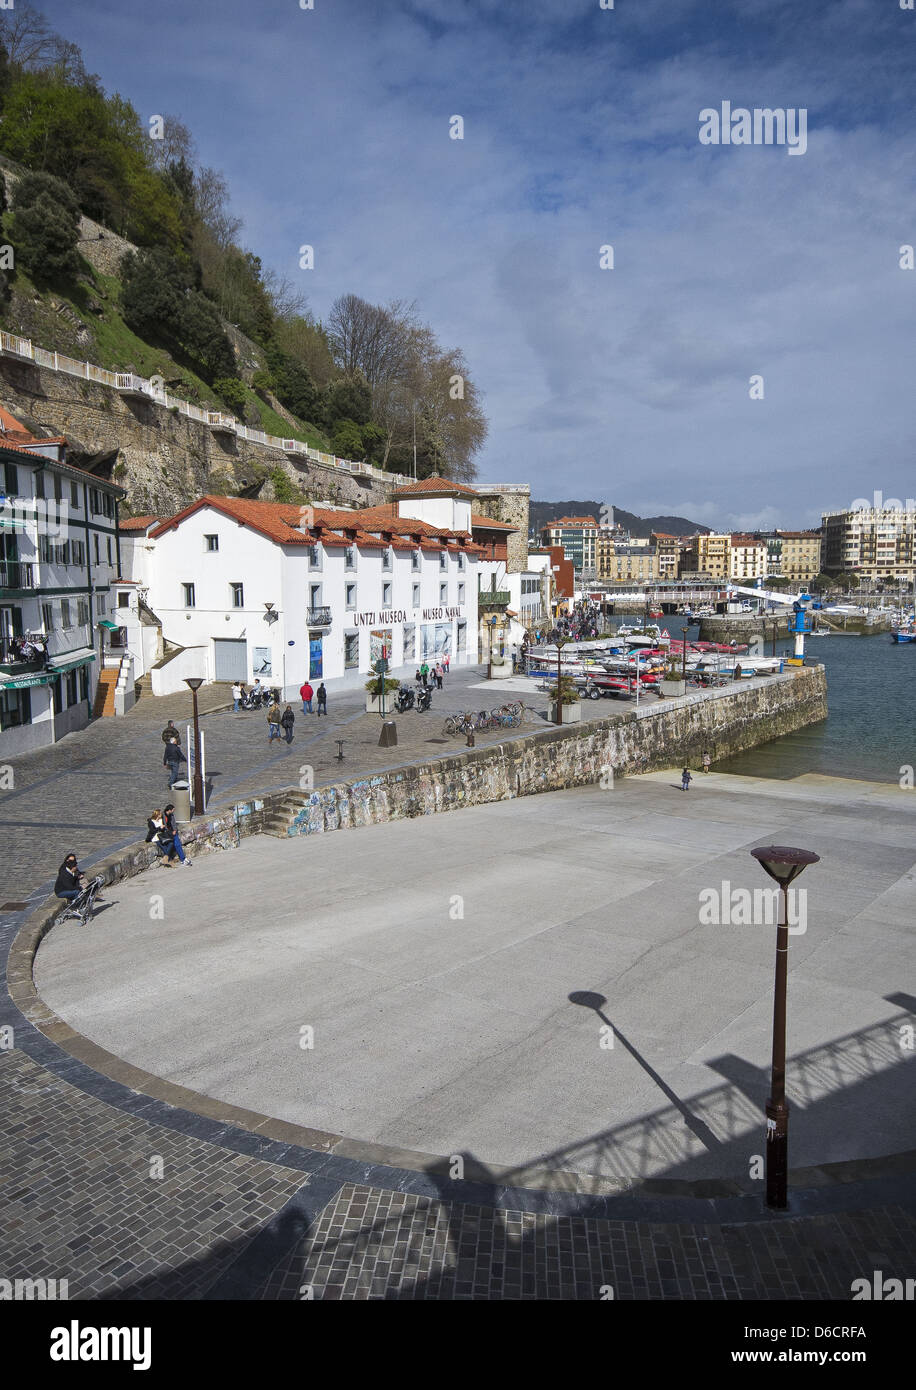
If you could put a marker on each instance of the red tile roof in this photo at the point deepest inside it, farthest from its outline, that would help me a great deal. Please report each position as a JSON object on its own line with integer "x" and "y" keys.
{"x": 137, "y": 523}
{"x": 280, "y": 522}
{"x": 434, "y": 486}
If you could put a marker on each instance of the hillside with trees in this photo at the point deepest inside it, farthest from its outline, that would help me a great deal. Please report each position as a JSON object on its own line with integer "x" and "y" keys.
{"x": 541, "y": 513}
{"x": 189, "y": 302}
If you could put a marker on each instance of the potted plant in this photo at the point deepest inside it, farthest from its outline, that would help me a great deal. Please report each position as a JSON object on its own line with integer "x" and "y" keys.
{"x": 570, "y": 709}
{"x": 672, "y": 682}
{"x": 374, "y": 688}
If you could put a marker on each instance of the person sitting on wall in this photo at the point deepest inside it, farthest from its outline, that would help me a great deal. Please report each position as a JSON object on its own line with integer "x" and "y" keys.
{"x": 70, "y": 880}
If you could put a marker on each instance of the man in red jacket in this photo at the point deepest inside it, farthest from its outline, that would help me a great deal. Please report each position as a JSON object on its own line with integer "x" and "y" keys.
{"x": 306, "y": 692}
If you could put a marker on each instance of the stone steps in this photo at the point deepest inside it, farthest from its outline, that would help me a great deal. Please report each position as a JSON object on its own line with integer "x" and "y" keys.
{"x": 279, "y": 822}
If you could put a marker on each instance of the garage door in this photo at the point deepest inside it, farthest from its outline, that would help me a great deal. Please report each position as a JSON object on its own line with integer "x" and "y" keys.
{"x": 231, "y": 663}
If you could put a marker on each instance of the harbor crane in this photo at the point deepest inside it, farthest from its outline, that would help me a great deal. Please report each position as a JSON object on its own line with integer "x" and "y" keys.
{"x": 800, "y": 620}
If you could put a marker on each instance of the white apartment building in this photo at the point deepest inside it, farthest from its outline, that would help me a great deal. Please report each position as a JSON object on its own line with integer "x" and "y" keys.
{"x": 876, "y": 543}
{"x": 280, "y": 593}
{"x": 747, "y": 558}
{"x": 59, "y": 554}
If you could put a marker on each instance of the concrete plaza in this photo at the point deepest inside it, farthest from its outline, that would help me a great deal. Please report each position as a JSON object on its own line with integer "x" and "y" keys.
{"x": 433, "y": 961}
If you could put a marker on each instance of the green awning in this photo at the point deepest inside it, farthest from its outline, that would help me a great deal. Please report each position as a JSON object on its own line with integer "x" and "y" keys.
{"x": 77, "y": 659}
{"x": 112, "y": 627}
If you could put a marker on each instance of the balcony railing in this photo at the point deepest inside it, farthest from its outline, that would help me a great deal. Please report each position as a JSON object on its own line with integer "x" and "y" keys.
{"x": 493, "y": 598}
{"x": 17, "y": 575}
{"x": 318, "y": 617}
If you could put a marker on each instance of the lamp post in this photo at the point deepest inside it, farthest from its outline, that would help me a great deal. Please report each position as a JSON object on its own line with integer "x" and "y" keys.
{"x": 491, "y": 625}
{"x": 783, "y": 865}
{"x": 194, "y": 683}
{"x": 684, "y": 631}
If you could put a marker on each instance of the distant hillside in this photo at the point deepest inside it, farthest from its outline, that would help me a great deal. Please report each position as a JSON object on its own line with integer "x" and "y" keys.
{"x": 542, "y": 512}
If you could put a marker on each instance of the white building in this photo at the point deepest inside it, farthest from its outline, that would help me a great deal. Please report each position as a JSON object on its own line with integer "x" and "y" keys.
{"x": 280, "y": 593}
{"x": 59, "y": 554}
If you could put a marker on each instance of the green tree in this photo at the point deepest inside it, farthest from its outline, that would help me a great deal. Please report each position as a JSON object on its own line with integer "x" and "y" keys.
{"x": 153, "y": 288}
{"x": 348, "y": 399}
{"x": 203, "y": 335}
{"x": 347, "y": 440}
{"x": 45, "y": 227}
{"x": 232, "y": 392}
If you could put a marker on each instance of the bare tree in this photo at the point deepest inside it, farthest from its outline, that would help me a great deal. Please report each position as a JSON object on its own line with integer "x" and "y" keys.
{"x": 211, "y": 197}
{"x": 286, "y": 301}
{"x": 30, "y": 41}
{"x": 176, "y": 144}
{"x": 371, "y": 338}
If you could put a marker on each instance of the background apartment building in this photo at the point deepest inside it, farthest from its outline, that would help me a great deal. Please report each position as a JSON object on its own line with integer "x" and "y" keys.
{"x": 577, "y": 536}
{"x": 707, "y": 555}
{"x": 875, "y": 543}
{"x": 747, "y": 558}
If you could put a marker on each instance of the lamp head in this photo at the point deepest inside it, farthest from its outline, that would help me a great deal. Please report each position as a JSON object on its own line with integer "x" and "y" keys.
{"x": 783, "y": 863}
{"x": 193, "y": 682}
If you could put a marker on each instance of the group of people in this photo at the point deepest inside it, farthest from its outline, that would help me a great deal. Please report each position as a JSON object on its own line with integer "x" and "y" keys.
{"x": 435, "y": 673}
{"x": 307, "y": 695}
{"x": 163, "y": 832}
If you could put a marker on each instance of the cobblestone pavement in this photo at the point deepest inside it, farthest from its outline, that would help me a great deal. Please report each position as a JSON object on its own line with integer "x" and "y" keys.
{"x": 93, "y": 791}
{"x": 375, "y": 1244}
{"x": 161, "y": 1204}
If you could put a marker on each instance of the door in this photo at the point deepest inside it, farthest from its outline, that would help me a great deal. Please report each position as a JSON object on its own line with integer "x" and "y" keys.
{"x": 316, "y": 663}
{"x": 230, "y": 659}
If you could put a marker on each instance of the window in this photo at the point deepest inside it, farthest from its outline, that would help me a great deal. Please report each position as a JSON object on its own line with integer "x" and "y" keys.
{"x": 211, "y": 543}
{"x": 443, "y": 559}
{"x": 71, "y": 688}
{"x": 84, "y": 683}
{"x": 188, "y": 595}
{"x": 78, "y": 553}
{"x": 238, "y": 596}
{"x": 351, "y": 650}
{"x": 95, "y": 501}
{"x": 443, "y": 593}
{"x": 415, "y": 560}
{"x": 314, "y": 595}
{"x": 351, "y": 595}
{"x": 314, "y": 554}
{"x": 386, "y": 595}
{"x": 75, "y": 496}
{"x": 96, "y": 548}
{"x": 10, "y": 480}
{"x": 416, "y": 596}
{"x": 350, "y": 557}
{"x": 65, "y": 613}
{"x": 39, "y": 484}
{"x": 109, "y": 550}
{"x": 101, "y": 604}
{"x": 58, "y": 488}
{"x": 82, "y": 611}
{"x": 386, "y": 559}
{"x": 461, "y": 559}
{"x": 123, "y": 600}
{"x": 461, "y": 593}
{"x": 15, "y": 708}
{"x": 47, "y": 618}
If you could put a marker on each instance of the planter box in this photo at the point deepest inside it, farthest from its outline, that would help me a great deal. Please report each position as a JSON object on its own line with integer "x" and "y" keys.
{"x": 373, "y": 705}
{"x": 572, "y": 714}
{"x": 672, "y": 687}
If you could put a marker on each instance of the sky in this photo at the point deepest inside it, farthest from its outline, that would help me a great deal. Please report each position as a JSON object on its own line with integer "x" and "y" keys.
{"x": 633, "y": 384}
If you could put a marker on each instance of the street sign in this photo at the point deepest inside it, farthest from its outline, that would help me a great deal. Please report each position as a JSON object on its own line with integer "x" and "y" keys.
{"x": 381, "y": 666}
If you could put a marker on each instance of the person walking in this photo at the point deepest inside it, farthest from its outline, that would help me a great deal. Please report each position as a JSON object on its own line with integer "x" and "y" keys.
{"x": 306, "y": 692}
{"x": 172, "y": 759}
{"x": 170, "y": 732}
{"x": 236, "y": 695}
{"x": 446, "y": 662}
{"x": 287, "y": 719}
{"x": 437, "y": 672}
{"x": 424, "y": 675}
{"x": 169, "y": 815}
{"x": 157, "y": 830}
{"x": 322, "y": 700}
{"x": 273, "y": 723}
{"x": 686, "y": 778}
{"x": 706, "y": 762}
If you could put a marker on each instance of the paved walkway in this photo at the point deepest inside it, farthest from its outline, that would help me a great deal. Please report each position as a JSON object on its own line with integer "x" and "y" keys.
{"x": 94, "y": 790}
{"x": 130, "y": 1189}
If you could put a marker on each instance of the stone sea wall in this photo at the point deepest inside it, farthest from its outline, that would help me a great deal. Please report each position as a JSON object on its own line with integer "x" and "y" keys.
{"x": 668, "y": 735}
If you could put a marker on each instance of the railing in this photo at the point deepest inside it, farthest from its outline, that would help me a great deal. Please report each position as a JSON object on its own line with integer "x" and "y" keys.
{"x": 496, "y": 598}
{"x": 318, "y": 617}
{"x": 16, "y": 575}
{"x": 127, "y": 381}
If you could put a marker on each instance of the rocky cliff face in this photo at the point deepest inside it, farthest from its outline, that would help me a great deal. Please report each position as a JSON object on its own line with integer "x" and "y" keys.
{"x": 162, "y": 458}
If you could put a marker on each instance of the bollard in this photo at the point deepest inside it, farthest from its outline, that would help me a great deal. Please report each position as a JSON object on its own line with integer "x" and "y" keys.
{"x": 470, "y": 739}
{"x": 339, "y": 742}
{"x": 389, "y": 736}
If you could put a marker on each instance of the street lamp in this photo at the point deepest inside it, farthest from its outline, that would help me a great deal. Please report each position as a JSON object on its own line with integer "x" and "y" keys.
{"x": 684, "y": 631}
{"x": 490, "y": 630}
{"x": 194, "y": 683}
{"x": 783, "y": 865}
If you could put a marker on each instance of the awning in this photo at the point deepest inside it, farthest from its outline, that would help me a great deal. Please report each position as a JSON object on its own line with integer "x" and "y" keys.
{"x": 112, "y": 627}
{"x": 70, "y": 660}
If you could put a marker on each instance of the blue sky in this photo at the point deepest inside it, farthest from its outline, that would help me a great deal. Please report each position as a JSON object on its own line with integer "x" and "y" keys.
{"x": 629, "y": 385}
